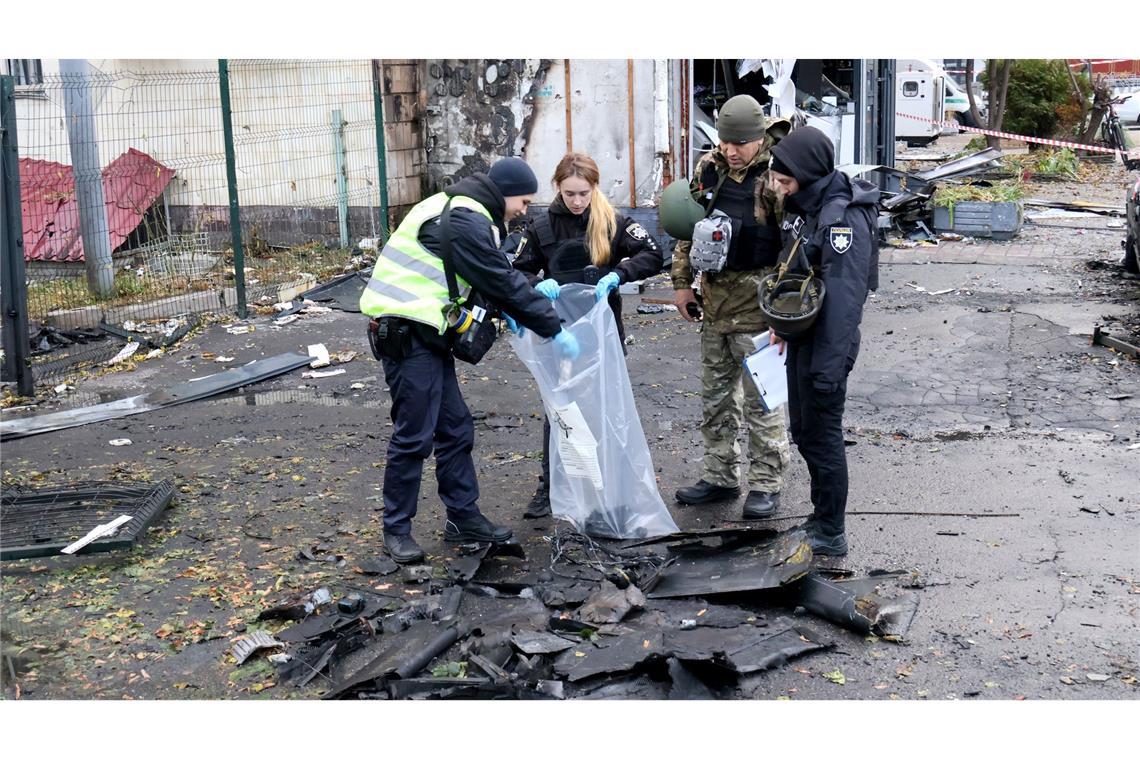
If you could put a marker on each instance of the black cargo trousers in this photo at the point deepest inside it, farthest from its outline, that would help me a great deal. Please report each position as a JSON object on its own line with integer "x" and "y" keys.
{"x": 816, "y": 425}
{"x": 429, "y": 416}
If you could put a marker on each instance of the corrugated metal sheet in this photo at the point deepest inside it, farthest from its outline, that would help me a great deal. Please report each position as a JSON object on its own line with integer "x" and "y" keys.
{"x": 131, "y": 183}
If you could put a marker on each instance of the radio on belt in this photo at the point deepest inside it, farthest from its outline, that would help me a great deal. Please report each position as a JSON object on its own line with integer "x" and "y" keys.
{"x": 712, "y": 237}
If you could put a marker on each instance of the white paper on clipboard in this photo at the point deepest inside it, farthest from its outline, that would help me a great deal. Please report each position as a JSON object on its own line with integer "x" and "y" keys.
{"x": 577, "y": 446}
{"x": 766, "y": 368}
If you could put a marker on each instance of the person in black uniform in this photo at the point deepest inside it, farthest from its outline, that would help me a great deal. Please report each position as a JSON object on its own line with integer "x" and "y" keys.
{"x": 833, "y": 218}
{"x": 428, "y": 411}
{"x": 582, "y": 239}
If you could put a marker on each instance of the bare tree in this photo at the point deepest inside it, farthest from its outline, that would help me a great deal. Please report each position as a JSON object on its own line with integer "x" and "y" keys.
{"x": 997, "y": 84}
{"x": 1101, "y": 96}
{"x": 1092, "y": 113}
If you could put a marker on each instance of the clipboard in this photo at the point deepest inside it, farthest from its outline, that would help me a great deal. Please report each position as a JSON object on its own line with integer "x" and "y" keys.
{"x": 767, "y": 370}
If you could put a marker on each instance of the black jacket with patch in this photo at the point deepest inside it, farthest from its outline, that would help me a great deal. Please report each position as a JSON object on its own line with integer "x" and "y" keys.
{"x": 478, "y": 260}
{"x": 560, "y": 252}
{"x": 836, "y": 219}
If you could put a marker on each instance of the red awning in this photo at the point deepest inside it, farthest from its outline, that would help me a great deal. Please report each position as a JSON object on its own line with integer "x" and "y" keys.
{"x": 131, "y": 183}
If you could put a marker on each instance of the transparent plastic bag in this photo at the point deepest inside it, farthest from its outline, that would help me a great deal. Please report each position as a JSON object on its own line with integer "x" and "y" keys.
{"x": 601, "y": 474}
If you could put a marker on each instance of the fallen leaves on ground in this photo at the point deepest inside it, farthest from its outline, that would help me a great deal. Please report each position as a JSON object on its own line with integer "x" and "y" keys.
{"x": 836, "y": 676}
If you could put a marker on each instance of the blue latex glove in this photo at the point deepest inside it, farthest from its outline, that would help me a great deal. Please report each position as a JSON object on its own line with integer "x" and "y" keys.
{"x": 606, "y": 285}
{"x": 514, "y": 326}
{"x": 567, "y": 344}
{"x": 549, "y": 288}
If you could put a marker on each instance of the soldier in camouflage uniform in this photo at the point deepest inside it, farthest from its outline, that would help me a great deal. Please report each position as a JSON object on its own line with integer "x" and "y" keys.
{"x": 733, "y": 179}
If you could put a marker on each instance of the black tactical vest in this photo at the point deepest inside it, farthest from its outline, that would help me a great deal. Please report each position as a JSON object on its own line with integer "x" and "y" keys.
{"x": 754, "y": 245}
{"x": 566, "y": 260}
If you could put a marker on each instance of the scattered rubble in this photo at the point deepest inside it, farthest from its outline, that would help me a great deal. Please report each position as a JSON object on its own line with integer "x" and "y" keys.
{"x": 155, "y": 334}
{"x": 257, "y": 641}
{"x": 865, "y": 605}
{"x": 126, "y": 353}
{"x": 613, "y": 618}
{"x": 48, "y": 338}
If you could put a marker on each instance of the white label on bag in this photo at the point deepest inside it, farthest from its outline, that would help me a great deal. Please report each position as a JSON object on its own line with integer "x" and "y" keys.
{"x": 577, "y": 447}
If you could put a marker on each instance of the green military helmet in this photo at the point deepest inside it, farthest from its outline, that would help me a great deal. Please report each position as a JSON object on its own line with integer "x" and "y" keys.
{"x": 741, "y": 120}
{"x": 778, "y": 129}
{"x": 791, "y": 303}
{"x": 678, "y": 211}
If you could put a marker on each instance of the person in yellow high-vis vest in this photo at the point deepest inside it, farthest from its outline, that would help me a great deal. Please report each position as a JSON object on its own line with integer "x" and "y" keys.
{"x": 408, "y": 292}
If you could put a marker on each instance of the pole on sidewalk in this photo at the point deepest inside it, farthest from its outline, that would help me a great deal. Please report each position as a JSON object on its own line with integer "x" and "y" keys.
{"x": 231, "y": 183}
{"x": 381, "y": 150}
{"x": 341, "y": 176}
{"x": 13, "y": 285}
{"x": 85, "y": 165}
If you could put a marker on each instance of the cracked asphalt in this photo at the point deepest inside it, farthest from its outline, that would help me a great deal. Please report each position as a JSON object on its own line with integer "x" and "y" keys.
{"x": 986, "y": 399}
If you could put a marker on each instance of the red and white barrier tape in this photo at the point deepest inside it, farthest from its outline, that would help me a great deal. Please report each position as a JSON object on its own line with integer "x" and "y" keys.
{"x": 1011, "y": 136}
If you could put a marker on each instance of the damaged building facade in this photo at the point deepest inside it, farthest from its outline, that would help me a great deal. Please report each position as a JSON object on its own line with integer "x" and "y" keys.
{"x": 645, "y": 121}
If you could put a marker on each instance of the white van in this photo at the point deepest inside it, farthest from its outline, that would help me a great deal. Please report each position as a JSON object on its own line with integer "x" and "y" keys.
{"x": 918, "y": 94}
{"x": 955, "y": 102}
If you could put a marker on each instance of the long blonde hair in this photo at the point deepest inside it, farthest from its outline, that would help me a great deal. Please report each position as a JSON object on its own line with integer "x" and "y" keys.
{"x": 603, "y": 219}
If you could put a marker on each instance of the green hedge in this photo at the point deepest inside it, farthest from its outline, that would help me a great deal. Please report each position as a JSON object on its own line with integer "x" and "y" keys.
{"x": 1040, "y": 96}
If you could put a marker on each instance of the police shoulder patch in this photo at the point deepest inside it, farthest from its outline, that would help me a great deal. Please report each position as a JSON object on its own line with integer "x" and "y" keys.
{"x": 840, "y": 239}
{"x": 636, "y": 231}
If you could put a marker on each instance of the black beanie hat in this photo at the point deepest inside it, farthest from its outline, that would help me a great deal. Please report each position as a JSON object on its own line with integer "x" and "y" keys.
{"x": 779, "y": 166}
{"x": 806, "y": 154}
{"x": 513, "y": 177}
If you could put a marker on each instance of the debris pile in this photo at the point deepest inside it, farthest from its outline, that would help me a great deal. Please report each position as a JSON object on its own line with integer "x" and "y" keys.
{"x": 290, "y": 311}
{"x": 975, "y": 195}
{"x": 341, "y": 292}
{"x": 48, "y": 338}
{"x": 156, "y": 334}
{"x": 908, "y": 212}
{"x": 683, "y": 616}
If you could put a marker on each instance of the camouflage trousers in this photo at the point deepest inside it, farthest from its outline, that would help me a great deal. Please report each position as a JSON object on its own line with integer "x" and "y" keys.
{"x": 727, "y": 395}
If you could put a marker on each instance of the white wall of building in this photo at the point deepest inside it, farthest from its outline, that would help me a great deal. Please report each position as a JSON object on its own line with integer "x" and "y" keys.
{"x": 599, "y": 99}
{"x": 170, "y": 109}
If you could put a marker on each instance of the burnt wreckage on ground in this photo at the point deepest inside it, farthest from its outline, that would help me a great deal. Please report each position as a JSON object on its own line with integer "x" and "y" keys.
{"x": 683, "y": 616}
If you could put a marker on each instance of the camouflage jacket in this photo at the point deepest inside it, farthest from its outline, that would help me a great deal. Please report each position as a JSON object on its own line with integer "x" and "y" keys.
{"x": 730, "y": 300}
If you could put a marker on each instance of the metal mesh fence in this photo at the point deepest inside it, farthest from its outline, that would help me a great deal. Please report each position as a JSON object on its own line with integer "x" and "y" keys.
{"x": 305, "y": 142}
{"x": 139, "y": 156}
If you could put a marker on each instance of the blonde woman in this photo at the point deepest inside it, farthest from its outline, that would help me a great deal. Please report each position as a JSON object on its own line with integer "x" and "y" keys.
{"x": 581, "y": 238}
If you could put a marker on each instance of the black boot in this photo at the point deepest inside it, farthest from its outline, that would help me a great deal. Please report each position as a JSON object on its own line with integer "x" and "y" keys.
{"x": 703, "y": 492}
{"x": 403, "y": 548}
{"x": 539, "y": 505}
{"x": 834, "y": 545}
{"x": 477, "y": 528}
{"x": 760, "y": 504}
